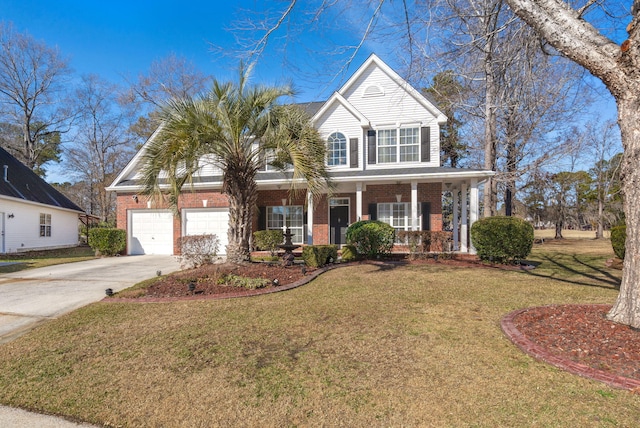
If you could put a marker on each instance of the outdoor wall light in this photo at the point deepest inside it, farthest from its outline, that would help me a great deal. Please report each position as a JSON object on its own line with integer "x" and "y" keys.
{"x": 399, "y": 197}
{"x": 135, "y": 198}
{"x": 108, "y": 292}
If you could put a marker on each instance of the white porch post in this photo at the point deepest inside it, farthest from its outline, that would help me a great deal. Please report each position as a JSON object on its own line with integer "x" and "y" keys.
{"x": 414, "y": 205}
{"x": 309, "y": 219}
{"x": 464, "y": 218}
{"x": 456, "y": 231}
{"x": 358, "y": 201}
{"x": 473, "y": 208}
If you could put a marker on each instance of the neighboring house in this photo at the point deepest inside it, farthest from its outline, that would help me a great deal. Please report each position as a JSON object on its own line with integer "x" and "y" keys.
{"x": 384, "y": 158}
{"x": 33, "y": 215}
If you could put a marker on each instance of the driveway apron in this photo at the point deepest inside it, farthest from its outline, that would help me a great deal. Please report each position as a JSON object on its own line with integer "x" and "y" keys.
{"x": 30, "y": 297}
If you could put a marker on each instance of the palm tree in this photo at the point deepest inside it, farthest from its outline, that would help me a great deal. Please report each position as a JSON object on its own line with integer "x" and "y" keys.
{"x": 237, "y": 125}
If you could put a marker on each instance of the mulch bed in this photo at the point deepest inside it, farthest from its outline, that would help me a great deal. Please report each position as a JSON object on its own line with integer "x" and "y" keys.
{"x": 583, "y": 335}
{"x": 207, "y": 279}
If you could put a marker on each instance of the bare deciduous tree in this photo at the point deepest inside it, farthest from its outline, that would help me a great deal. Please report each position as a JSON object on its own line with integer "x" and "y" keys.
{"x": 567, "y": 29}
{"x": 33, "y": 80}
{"x": 101, "y": 146}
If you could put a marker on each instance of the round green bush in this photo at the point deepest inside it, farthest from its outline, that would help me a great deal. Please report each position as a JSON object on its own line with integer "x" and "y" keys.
{"x": 502, "y": 239}
{"x": 618, "y": 240}
{"x": 107, "y": 241}
{"x": 371, "y": 238}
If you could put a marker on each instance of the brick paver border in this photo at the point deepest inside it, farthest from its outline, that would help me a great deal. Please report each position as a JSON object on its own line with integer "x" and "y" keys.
{"x": 542, "y": 354}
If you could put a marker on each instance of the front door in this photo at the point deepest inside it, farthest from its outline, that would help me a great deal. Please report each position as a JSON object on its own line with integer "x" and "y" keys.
{"x": 338, "y": 223}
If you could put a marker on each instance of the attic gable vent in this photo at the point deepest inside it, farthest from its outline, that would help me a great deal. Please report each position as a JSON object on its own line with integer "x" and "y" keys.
{"x": 373, "y": 91}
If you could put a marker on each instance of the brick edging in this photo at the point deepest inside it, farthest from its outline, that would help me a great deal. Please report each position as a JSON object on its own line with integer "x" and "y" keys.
{"x": 243, "y": 293}
{"x": 542, "y": 354}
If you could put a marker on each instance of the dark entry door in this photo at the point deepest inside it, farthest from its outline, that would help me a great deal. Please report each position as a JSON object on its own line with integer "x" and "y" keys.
{"x": 338, "y": 222}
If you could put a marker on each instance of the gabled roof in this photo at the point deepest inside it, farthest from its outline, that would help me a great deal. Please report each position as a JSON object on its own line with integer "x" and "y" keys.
{"x": 18, "y": 181}
{"x": 338, "y": 98}
{"x": 419, "y": 97}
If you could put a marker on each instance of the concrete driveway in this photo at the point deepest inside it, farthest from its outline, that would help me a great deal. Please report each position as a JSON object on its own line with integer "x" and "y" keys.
{"x": 30, "y": 297}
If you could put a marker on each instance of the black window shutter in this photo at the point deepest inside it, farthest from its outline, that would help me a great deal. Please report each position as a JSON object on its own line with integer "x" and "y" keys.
{"x": 425, "y": 144}
{"x": 426, "y": 216}
{"x": 371, "y": 146}
{"x": 373, "y": 211}
{"x": 353, "y": 148}
{"x": 262, "y": 218}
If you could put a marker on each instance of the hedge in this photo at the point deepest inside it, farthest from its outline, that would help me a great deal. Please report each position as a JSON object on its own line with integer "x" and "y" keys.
{"x": 618, "y": 240}
{"x": 107, "y": 241}
{"x": 502, "y": 239}
{"x": 316, "y": 256}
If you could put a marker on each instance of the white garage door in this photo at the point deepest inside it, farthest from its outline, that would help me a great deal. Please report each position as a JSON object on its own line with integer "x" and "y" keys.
{"x": 151, "y": 232}
{"x": 208, "y": 221}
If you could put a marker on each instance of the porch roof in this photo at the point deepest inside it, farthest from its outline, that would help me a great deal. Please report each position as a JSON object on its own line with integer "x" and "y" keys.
{"x": 378, "y": 175}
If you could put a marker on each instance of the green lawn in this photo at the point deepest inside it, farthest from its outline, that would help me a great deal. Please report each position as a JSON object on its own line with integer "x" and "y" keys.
{"x": 36, "y": 259}
{"x": 359, "y": 346}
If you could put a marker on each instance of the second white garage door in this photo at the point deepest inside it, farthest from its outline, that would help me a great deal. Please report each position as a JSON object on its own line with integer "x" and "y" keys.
{"x": 207, "y": 221}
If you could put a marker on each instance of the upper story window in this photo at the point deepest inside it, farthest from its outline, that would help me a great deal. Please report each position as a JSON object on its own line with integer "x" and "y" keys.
{"x": 336, "y": 149}
{"x": 399, "y": 145}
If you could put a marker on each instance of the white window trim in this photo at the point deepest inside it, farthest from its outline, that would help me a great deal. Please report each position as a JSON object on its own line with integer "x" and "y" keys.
{"x": 346, "y": 147}
{"x": 45, "y": 227}
{"x": 297, "y": 230}
{"x": 397, "y": 145}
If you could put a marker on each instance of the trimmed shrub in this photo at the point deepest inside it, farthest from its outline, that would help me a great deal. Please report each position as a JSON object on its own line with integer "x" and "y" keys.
{"x": 618, "y": 240}
{"x": 268, "y": 240}
{"x": 371, "y": 238}
{"x": 197, "y": 250}
{"x": 107, "y": 241}
{"x": 349, "y": 253}
{"x": 316, "y": 256}
{"x": 424, "y": 241}
{"x": 502, "y": 239}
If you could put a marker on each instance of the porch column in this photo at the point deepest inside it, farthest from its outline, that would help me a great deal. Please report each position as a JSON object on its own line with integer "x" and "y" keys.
{"x": 456, "y": 231}
{"x": 464, "y": 218}
{"x": 309, "y": 219}
{"x": 358, "y": 201}
{"x": 414, "y": 205}
{"x": 473, "y": 208}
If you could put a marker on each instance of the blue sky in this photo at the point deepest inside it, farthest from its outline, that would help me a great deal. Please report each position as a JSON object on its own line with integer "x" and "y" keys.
{"x": 118, "y": 39}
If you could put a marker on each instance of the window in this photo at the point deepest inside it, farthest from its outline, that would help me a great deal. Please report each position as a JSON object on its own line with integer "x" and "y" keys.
{"x": 45, "y": 225}
{"x": 283, "y": 217}
{"x": 398, "y": 215}
{"x": 387, "y": 151}
{"x": 337, "y": 149}
{"x": 399, "y": 145}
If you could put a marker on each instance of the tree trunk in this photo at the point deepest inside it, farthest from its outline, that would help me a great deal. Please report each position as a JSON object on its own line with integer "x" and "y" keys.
{"x": 242, "y": 193}
{"x": 600, "y": 227}
{"x": 626, "y": 310}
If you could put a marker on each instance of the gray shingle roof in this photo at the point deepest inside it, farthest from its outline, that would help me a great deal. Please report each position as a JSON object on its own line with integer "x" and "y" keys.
{"x": 18, "y": 181}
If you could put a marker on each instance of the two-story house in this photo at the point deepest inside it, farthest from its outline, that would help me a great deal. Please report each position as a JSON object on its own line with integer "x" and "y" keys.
{"x": 383, "y": 148}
